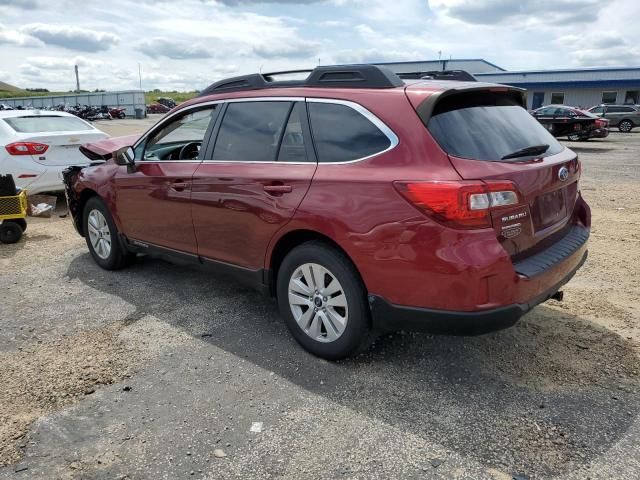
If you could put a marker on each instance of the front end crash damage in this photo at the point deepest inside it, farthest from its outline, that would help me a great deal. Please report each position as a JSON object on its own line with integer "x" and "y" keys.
{"x": 98, "y": 152}
{"x": 69, "y": 177}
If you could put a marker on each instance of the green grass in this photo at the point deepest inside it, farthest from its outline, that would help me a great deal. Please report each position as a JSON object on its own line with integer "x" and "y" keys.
{"x": 179, "y": 97}
{"x": 23, "y": 93}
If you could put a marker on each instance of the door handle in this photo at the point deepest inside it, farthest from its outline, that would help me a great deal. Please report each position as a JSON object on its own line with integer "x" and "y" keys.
{"x": 277, "y": 189}
{"x": 179, "y": 186}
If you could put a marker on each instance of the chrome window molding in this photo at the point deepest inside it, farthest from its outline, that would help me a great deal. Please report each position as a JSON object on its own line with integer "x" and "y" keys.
{"x": 390, "y": 134}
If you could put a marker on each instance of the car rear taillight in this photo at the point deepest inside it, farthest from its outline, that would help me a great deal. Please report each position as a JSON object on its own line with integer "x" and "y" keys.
{"x": 26, "y": 148}
{"x": 465, "y": 204}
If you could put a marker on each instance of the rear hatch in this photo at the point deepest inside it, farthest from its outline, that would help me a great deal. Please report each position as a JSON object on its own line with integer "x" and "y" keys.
{"x": 489, "y": 136}
{"x": 62, "y": 135}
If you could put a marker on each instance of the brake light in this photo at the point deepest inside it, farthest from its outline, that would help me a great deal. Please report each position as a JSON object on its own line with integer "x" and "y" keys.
{"x": 465, "y": 204}
{"x": 26, "y": 148}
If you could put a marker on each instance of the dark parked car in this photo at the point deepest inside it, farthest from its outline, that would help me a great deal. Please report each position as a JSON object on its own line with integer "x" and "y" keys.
{"x": 167, "y": 102}
{"x": 157, "y": 108}
{"x": 575, "y": 124}
{"x": 625, "y": 117}
{"x": 360, "y": 202}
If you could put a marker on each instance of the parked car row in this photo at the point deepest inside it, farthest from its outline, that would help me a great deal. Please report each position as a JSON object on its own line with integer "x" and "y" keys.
{"x": 86, "y": 112}
{"x": 579, "y": 124}
{"x": 575, "y": 124}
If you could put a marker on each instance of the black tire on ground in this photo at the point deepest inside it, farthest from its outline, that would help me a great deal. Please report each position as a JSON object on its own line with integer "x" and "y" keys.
{"x": 118, "y": 257}
{"x": 357, "y": 332}
{"x": 20, "y": 221}
{"x": 574, "y": 137}
{"x": 10, "y": 232}
{"x": 625, "y": 126}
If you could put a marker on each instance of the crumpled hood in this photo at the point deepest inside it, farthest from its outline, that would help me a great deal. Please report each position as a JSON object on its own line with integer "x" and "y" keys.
{"x": 103, "y": 149}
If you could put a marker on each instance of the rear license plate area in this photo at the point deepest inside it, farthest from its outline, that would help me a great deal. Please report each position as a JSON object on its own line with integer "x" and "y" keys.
{"x": 549, "y": 209}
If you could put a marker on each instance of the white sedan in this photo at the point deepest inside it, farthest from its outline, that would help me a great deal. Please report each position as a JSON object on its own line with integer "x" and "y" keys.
{"x": 37, "y": 145}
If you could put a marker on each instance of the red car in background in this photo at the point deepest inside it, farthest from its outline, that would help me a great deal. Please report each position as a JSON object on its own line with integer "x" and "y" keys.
{"x": 575, "y": 124}
{"x": 361, "y": 202}
{"x": 157, "y": 108}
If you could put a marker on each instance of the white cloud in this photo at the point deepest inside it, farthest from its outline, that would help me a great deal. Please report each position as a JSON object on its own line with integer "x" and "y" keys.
{"x": 191, "y": 43}
{"x": 174, "y": 49}
{"x": 71, "y": 37}
{"x": 14, "y": 37}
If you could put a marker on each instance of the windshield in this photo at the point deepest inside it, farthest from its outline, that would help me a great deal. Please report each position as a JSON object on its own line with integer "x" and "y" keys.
{"x": 487, "y": 126}
{"x": 47, "y": 123}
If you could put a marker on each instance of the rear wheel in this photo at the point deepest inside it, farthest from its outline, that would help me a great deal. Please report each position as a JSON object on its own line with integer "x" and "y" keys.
{"x": 19, "y": 221}
{"x": 101, "y": 235}
{"x": 10, "y": 232}
{"x": 625, "y": 126}
{"x": 323, "y": 301}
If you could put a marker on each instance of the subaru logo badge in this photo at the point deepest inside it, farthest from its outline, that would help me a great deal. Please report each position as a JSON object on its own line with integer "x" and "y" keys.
{"x": 563, "y": 174}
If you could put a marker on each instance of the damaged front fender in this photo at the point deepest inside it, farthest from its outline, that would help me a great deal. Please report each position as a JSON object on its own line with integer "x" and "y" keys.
{"x": 69, "y": 177}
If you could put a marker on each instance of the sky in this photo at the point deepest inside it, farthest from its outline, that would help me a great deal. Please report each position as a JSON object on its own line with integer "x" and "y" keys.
{"x": 186, "y": 45}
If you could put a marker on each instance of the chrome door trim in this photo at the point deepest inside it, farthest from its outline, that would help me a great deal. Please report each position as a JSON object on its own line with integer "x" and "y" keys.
{"x": 390, "y": 134}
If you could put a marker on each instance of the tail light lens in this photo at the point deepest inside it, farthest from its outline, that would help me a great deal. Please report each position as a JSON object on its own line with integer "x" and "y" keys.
{"x": 465, "y": 204}
{"x": 26, "y": 148}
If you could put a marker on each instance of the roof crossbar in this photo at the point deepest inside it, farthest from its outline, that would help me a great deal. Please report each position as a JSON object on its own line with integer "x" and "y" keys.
{"x": 343, "y": 76}
{"x": 458, "y": 75}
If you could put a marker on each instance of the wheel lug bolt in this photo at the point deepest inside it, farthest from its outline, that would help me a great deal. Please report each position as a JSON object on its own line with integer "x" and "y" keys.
{"x": 324, "y": 299}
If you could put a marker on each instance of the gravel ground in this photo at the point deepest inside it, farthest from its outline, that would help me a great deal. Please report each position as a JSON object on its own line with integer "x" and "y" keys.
{"x": 160, "y": 371}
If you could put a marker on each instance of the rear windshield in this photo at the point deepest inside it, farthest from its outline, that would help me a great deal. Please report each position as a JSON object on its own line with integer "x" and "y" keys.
{"x": 487, "y": 126}
{"x": 43, "y": 123}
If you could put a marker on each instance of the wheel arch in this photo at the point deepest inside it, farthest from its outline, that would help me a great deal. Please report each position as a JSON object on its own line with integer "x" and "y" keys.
{"x": 82, "y": 200}
{"x": 291, "y": 240}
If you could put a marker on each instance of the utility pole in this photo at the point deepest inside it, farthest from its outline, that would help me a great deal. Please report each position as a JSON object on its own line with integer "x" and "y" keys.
{"x": 77, "y": 79}
{"x": 140, "y": 74}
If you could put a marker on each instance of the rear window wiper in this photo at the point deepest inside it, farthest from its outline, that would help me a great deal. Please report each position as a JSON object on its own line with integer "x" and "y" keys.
{"x": 525, "y": 152}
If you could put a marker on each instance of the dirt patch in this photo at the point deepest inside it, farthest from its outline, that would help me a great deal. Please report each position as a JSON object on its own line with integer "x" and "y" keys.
{"x": 550, "y": 349}
{"x": 44, "y": 377}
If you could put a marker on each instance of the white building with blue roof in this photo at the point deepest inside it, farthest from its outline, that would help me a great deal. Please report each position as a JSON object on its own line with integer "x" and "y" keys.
{"x": 579, "y": 87}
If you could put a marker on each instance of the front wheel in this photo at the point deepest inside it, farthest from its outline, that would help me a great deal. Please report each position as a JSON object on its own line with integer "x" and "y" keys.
{"x": 323, "y": 301}
{"x": 625, "y": 126}
{"x": 101, "y": 235}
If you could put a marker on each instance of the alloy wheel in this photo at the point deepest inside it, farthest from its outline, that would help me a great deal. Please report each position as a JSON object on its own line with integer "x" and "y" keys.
{"x": 318, "y": 302}
{"x": 99, "y": 233}
{"x": 625, "y": 126}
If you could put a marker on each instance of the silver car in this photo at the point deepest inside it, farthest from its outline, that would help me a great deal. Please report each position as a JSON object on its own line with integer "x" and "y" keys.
{"x": 625, "y": 117}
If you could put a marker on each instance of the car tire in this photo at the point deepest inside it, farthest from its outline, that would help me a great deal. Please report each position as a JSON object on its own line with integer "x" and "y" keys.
{"x": 10, "y": 232}
{"x": 330, "y": 320}
{"x": 102, "y": 236}
{"x": 625, "y": 126}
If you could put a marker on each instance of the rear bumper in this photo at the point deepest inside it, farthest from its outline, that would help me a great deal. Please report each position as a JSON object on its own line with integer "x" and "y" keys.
{"x": 389, "y": 317}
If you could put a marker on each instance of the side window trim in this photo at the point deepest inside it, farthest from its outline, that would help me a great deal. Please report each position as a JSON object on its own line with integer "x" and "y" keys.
{"x": 141, "y": 142}
{"x": 213, "y": 135}
{"x": 390, "y": 134}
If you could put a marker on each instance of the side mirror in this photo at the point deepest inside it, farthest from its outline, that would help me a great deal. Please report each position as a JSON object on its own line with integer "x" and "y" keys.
{"x": 126, "y": 156}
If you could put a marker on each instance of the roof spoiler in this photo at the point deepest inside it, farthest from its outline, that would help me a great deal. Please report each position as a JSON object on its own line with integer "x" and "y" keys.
{"x": 457, "y": 75}
{"x": 343, "y": 76}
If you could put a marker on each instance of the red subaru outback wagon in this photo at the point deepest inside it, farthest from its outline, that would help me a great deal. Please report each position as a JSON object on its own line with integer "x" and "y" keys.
{"x": 362, "y": 202}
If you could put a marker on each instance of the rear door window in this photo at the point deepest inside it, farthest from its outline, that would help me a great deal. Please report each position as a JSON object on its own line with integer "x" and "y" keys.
{"x": 486, "y": 126}
{"x": 342, "y": 134}
{"x": 251, "y": 131}
{"x": 47, "y": 123}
